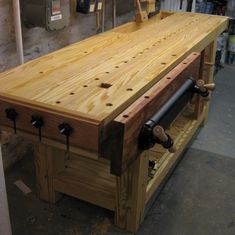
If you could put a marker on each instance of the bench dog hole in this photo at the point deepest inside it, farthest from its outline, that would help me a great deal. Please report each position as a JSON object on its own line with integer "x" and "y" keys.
{"x": 105, "y": 85}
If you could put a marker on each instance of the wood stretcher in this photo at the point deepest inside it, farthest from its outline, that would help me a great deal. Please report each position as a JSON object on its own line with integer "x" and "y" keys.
{"x": 99, "y": 110}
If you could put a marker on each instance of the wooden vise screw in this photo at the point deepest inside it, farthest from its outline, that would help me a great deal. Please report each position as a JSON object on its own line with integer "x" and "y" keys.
{"x": 203, "y": 89}
{"x": 165, "y": 140}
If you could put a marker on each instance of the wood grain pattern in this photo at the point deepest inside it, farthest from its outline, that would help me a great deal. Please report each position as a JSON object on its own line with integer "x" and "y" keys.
{"x": 48, "y": 161}
{"x": 85, "y": 134}
{"x": 87, "y": 180}
{"x": 208, "y": 74}
{"x": 132, "y": 63}
{"x": 131, "y": 195}
{"x": 126, "y": 127}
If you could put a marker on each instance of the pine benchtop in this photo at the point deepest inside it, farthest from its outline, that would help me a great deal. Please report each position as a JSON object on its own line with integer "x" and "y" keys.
{"x": 96, "y": 79}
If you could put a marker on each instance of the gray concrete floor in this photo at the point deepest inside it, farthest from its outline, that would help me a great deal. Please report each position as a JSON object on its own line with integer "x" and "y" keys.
{"x": 199, "y": 198}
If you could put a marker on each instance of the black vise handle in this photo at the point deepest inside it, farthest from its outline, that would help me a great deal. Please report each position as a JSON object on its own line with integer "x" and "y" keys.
{"x": 11, "y": 114}
{"x": 37, "y": 122}
{"x": 66, "y": 130}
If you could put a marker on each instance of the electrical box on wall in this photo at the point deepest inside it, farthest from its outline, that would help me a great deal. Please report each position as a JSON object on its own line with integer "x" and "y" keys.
{"x": 51, "y": 14}
{"x": 89, "y": 6}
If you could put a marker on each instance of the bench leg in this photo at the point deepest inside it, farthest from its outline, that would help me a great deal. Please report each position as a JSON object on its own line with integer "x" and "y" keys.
{"x": 48, "y": 161}
{"x": 210, "y": 52}
{"x": 131, "y": 195}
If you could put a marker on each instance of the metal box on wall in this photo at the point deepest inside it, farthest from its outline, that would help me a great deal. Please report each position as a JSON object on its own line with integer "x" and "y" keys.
{"x": 51, "y": 14}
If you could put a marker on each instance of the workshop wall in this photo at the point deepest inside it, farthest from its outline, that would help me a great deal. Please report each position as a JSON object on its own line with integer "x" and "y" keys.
{"x": 37, "y": 41}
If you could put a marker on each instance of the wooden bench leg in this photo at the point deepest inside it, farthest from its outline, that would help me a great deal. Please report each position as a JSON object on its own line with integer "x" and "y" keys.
{"x": 131, "y": 194}
{"x": 210, "y": 52}
{"x": 48, "y": 161}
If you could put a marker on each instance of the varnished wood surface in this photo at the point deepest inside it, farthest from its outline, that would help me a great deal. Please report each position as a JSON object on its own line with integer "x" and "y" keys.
{"x": 69, "y": 81}
{"x": 123, "y": 144}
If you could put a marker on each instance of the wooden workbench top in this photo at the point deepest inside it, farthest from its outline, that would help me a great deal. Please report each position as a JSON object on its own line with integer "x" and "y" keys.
{"x": 96, "y": 79}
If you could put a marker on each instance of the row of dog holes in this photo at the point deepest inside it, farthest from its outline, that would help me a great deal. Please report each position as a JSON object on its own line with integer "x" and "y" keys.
{"x": 128, "y": 89}
{"x": 147, "y": 97}
{"x": 126, "y": 116}
{"x": 108, "y": 104}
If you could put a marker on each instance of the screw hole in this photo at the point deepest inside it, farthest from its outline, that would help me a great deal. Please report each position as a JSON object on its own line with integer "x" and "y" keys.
{"x": 116, "y": 67}
{"x": 168, "y": 78}
{"x": 133, "y": 57}
{"x": 58, "y": 102}
{"x": 109, "y": 104}
{"x": 71, "y": 93}
{"x": 129, "y": 89}
{"x": 107, "y": 72}
{"x": 41, "y": 72}
{"x": 163, "y": 63}
{"x": 97, "y": 79}
{"x": 125, "y": 116}
{"x": 126, "y": 61}
{"x": 146, "y": 97}
{"x": 85, "y": 52}
{"x": 174, "y": 55}
{"x": 85, "y": 86}
{"x": 184, "y": 63}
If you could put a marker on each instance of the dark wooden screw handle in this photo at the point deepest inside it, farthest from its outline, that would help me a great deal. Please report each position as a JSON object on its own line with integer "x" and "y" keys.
{"x": 203, "y": 87}
{"x": 160, "y": 133}
{"x": 210, "y": 86}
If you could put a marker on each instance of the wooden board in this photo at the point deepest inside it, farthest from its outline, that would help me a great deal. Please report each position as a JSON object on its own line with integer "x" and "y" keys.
{"x": 68, "y": 83}
{"x": 122, "y": 135}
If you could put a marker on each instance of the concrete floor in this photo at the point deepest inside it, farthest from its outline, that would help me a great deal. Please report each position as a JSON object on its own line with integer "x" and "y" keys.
{"x": 199, "y": 198}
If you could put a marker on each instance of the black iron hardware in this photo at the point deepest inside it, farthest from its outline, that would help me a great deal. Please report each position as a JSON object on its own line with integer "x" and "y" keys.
{"x": 37, "y": 122}
{"x": 12, "y": 115}
{"x": 66, "y": 130}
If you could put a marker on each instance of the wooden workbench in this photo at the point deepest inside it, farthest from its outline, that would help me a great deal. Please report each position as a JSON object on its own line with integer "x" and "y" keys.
{"x": 95, "y": 85}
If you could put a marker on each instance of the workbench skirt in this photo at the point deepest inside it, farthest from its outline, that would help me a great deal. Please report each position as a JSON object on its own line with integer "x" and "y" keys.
{"x": 90, "y": 180}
